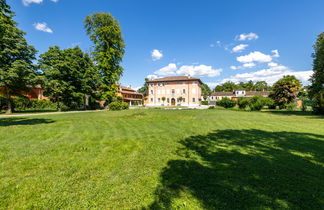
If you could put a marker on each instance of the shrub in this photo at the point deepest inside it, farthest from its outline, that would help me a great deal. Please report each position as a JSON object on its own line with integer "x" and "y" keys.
{"x": 116, "y": 105}
{"x": 226, "y": 103}
{"x": 211, "y": 107}
{"x": 258, "y": 102}
{"x": 243, "y": 103}
{"x": 204, "y": 103}
{"x": 291, "y": 107}
{"x": 119, "y": 99}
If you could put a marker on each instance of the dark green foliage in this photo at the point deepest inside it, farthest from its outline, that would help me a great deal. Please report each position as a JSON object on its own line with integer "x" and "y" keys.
{"x": 248, "y": 86}
{"x": 285, "y": 91}
{"x": 226, "y": 103}
{"x": 317, "y": 87}
{"x": 17, "y": 70}
{"x": 243, "y": 103}
{"x": 116, "y": 105}
{"x": 256, "y": 103}
{"x": 119, "y": 99}
{"x": 204, "y": 103}
{"x": 144, "y": 89}
{"x": 26, "y": 104}
{"x": 109, "y": 49}
{"x": 70, "y": 77}
{"x": 205, "y": 91}
{"x": 211, "y": 107}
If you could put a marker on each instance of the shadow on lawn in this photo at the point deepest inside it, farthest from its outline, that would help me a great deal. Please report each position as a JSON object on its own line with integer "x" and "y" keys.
{"x": 244, "y": 169}
{"x": 23, "y": 121}
{"x": 296, "y": 113}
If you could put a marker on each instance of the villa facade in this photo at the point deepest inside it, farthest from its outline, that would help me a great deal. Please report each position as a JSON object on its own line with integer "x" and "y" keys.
{"x": 174, "y": 91}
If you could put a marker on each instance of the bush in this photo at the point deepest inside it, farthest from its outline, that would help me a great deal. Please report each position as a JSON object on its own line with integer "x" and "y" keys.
{"x": 211, "y": 107}
{"x": 243, "y": 103}
{"x": 204, "y": 103}
{"x": 226, "y": 103}
{"x": 291, "y": 107}
{"x": 116, "y": 105}
{"x": 258, "y": 102}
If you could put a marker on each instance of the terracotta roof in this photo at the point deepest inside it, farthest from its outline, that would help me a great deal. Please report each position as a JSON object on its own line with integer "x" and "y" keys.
{"x": 176, "y": 78}
{"x": 253, "y": 93}
{"x": 126, "y": 88}
{"x": 131, "y": 92}
{"x": 223, "y": 94}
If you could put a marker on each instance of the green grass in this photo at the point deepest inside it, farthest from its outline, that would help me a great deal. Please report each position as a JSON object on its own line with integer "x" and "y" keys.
{"x": 155, "y": 159}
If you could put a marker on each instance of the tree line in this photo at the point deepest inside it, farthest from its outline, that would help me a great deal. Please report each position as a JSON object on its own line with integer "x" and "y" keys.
{"x": 70, "y": 77}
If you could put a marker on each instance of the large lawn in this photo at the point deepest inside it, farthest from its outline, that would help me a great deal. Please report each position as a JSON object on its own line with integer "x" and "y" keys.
{"x": 153, "y": 159}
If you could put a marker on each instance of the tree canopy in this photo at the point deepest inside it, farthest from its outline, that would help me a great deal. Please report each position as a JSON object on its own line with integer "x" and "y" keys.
{"x": 70, "y": 75}
{"x": 17, "y": 70}
{"x": 109, "y": 49}
{"x": 316, "y": 89}
{"x": 248, "y": 86}
{"x": 285, "y": 90}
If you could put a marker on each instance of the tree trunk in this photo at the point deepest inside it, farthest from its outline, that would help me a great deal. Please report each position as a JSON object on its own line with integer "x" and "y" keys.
{"x": 58, "y": 104}
{"x": 10, "y": 108}
{"x": 86, "y": 101}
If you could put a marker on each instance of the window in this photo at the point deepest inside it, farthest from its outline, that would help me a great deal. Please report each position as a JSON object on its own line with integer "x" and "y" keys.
{"x": 184, "y": 91}
{"x": 152, "y": 100}
{"x": 168, "y": 91}
{"x": 194, "y": 83}
{"x": 184, "y": 100}
{"x": 158, "y": 92}
{"x": 193, "y": 99}
{"x": 173, "y": 91}
{"x": 168, "y": 100}
{"x": 159, "y": 100}
{"x": 151, "y": 91}
{"x": 193, "y": 90}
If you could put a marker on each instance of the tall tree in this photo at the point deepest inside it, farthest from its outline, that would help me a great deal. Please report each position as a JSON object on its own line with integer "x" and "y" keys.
{"x": 70, "y": 76}
{"x": 144, "y": 89}
{"x": 109, "y": 49}
{"x": 205, "y": 91}
{"x": 17, "y": 70}
{"x": 316, "y": 89}
{"x": 285, "y": 90}
{"x": 261, "y": 86}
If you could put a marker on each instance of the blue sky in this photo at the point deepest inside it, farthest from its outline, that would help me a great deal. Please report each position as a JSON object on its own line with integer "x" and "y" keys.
{"x": 216, "y": 40}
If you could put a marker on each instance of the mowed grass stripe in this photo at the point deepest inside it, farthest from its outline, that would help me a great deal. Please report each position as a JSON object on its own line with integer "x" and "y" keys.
{"x": 173, "y": 159}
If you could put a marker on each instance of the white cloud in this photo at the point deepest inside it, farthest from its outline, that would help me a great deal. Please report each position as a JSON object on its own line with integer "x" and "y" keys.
{"x": 167, "y": 70}
{"x": 200, "y": 70}
{"x": 239, "y": 48}
{"x": 28, "y": 2}
{"x": 275, "y": 53}
{"x": 156, "y": 55}
{"x": 151, "y": 77}
{"x": 212, "y": 85}
{"x": 193, "y": 70}
{"x": 272, "y": 64}
{"x": 269, "y": 75}
{"x": 249, "y": 36}
{"x": 244, "y": 66}
{"x": 255, "y": 56}
{"x": 249, "y": 65}
{"x": 43, "y": 27}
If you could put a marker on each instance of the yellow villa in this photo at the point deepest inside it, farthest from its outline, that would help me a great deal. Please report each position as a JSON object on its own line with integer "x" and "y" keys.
{"x": 174, "y": 91}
